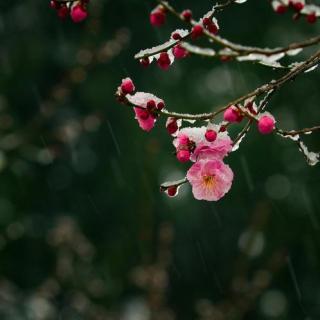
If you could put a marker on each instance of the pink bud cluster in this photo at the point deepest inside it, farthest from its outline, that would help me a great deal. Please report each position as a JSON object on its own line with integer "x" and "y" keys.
{"x": 165, "y": 59}
{"x": 77, "y": 10}
{"x": 298, "y": 7}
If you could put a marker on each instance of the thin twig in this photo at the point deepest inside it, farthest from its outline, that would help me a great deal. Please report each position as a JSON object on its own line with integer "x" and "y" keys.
{"x": 166, "y": 185}
{"x": 296, "y": 132}
{"x": 261, "y": 107}
{"x": 222, "y": 6}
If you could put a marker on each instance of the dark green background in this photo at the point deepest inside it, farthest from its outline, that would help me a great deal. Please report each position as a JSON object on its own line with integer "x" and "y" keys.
{"x": 85, "y": 232}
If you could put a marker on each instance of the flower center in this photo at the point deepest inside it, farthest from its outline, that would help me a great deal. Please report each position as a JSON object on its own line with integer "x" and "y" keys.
{"x": 209, "y": 181}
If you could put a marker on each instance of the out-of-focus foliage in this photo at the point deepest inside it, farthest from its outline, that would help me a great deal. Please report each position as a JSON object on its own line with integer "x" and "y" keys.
{"x": 84, "y": 231}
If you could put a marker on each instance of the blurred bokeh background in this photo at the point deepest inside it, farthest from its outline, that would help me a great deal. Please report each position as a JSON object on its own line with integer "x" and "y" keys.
{"x": 85, "y": 232}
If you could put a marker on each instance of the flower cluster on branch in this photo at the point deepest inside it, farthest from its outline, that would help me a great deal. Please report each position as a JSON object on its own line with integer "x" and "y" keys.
{"x": 208, "y": 145}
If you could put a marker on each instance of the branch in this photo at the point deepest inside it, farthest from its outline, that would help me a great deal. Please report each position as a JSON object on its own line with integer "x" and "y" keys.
{"x": 221, "y": 6}
{"x": 274, "y": 84}
{"x": 240, "y": 49}
{"x": 297, "y": 132}
{"x": 247, "y": 127}
{"x": 166, "y": 185}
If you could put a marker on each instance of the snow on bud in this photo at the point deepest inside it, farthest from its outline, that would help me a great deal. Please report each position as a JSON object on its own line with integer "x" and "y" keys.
{"x": 179, "y": 52}
{"x": 164, "y": 61}
{"x": 232, "y": 115}
{"x": 127, "y": 86}
{"x": 266, "y": 123}
{"x": 187, "y": 15}
{"x": 158, "y": 16}
{"x": 78, "y": 13}
{"x": 172, "y": 191}
{"x": 151, "y": 106}
{"x": 176, "y": 36}
{"x": 211, "y": 24}
{"x": 172, "y": 125}
{"x": 160, "y": 105}
{"x": 279, "y": 7}
{"x": 183, "y": 140}
{"x": 145, "y": 62}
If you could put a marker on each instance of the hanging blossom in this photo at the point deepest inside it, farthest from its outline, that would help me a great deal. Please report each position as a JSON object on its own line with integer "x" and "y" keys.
{"x": 146, "y": 106}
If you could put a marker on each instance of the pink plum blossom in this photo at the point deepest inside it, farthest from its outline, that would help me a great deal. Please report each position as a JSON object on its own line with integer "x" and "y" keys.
{"x": 145, "y": 117}
{"x": 210, "y": 179}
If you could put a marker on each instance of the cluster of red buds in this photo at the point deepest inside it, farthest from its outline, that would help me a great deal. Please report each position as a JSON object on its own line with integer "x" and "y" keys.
{"x": 77, "y": 10}
{"x": 299, "y": 8}
{"x": 158, "y": 18}
{"x": 166, "y": 58}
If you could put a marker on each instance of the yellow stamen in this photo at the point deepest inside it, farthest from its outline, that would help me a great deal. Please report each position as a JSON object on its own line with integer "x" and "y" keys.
{"x": 209, "y": 181}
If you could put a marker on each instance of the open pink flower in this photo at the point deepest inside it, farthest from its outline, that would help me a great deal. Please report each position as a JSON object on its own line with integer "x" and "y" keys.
{"x": 210, "y": 179}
